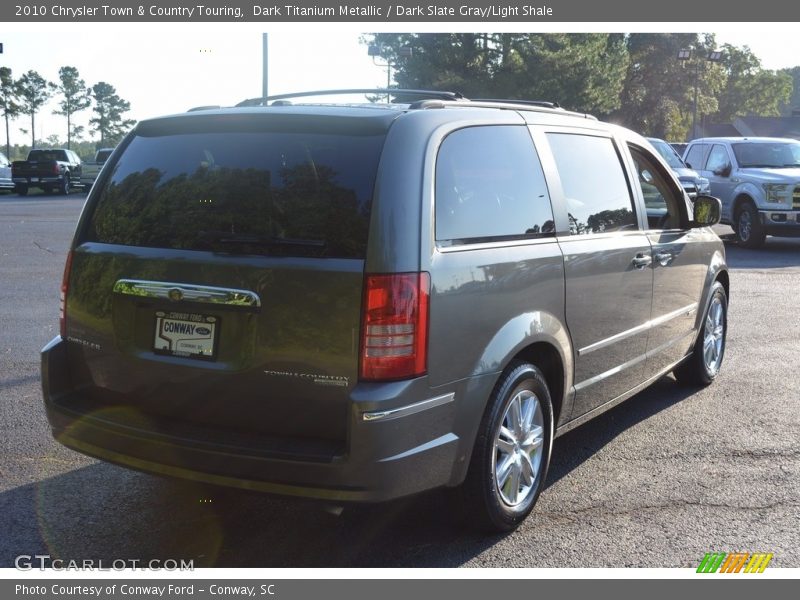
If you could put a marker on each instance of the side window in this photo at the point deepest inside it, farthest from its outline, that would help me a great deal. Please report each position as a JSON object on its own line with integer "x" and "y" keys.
{"x": 662, "y": 201}
{"x": 594, "y": 183}
{"x": 718, "y": 158}
{"x": 490, "y": 185}
{"x": 696, "y": 157}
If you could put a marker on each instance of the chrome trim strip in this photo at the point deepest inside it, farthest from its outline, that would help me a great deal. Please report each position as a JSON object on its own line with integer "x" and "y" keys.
{"x": 618, "y": 369}
{"x": 618, "y": 400}
{"x": 686, "y": 310}
{"x": 166, "y": 290}
{"x": 410, "y": 409}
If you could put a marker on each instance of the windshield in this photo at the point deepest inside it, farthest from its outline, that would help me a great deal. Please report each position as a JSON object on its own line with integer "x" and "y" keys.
{"x": 668, "y": 154}
{"x": 767, "y": 154}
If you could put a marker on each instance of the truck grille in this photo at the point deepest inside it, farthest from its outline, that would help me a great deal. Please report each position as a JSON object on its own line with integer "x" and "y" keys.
{"x": 796, "y": 198}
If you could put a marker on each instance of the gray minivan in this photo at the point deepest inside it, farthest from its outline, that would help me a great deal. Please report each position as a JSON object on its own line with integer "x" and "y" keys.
{"x": 363, "y": 302}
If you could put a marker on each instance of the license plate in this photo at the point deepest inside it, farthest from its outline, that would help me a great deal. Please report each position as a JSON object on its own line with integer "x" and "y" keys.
{"x": 185, "y": 334}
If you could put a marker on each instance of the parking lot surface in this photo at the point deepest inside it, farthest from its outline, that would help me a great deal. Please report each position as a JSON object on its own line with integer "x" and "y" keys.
{"x": 658, "y": 481}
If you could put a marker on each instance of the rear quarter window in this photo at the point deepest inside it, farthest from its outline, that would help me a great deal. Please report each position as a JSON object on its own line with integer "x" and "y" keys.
{"x": 262, "y": 192}
{"x": 490, "y": 186}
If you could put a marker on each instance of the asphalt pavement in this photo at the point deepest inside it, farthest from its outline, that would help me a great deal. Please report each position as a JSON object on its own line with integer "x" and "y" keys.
{"x": 658, "y": 481}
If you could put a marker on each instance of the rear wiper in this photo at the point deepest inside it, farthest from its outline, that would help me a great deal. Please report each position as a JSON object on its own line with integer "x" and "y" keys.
{"x": 224, "y": 237}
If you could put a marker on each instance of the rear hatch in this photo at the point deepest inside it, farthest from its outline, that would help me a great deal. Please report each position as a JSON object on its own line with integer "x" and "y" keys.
{"x": 217, "y": 274}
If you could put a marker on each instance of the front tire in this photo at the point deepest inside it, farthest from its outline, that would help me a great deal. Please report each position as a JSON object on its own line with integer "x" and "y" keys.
{"x": 512, "y": 451}
{"x": 748, "y": 227}
{"x": 703, "y": 365}
{"x": 21, "y": 190}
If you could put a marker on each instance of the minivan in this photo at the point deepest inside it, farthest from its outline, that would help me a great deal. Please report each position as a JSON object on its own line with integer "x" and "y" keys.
{"x": 360, "y": 302}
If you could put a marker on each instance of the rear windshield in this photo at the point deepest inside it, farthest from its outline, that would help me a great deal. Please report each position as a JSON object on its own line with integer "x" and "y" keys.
{"x": 261, "y": 192}
{"x": 42, "y": 155}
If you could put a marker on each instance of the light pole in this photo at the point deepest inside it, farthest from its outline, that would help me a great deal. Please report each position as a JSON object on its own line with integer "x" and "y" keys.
{"x": 376, "y": 51}
{"x": 685, "y": 55}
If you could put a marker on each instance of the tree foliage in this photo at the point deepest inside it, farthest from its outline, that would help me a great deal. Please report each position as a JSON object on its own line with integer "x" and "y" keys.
{"x": 108, "y": 108}
{"x": 74, "y": 97}
{"x": 34, "y": 91}
{"x": 794, "y": 100}
{"x": 636, "y": 79}
{"x": 658, "y": 96}
{"x": 749, "y": 89}
{"x": 9, "y": 102}
{"x": 582, "y": 71}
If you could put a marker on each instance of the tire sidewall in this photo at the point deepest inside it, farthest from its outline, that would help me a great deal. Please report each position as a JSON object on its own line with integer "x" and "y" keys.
{"x": 522, "y": 377}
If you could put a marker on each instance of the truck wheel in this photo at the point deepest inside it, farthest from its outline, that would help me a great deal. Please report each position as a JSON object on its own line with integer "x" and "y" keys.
{"x": 22, "y": 190}
{"x": 64, "y": 187}
{"x": 512, "y": 451}
{"x": 748, "y": 228}
{"x": 702, "y": 366}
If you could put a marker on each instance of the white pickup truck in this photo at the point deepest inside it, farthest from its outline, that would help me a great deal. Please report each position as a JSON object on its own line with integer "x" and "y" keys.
{"x": 756, "y": 179}
{"x": 91, "y": 170}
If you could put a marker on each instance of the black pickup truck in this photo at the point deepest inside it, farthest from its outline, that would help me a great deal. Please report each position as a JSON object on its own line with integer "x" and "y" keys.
{"x": 51, "y": 169}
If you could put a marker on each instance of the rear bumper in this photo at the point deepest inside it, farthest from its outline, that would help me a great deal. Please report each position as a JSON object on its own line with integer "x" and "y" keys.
{"x": 400, "y": 442}
{"x": 37, "y": 181}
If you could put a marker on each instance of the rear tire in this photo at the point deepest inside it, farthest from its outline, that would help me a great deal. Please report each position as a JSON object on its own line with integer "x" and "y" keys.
{"x": 703, "y": 365}
{"x": 512, "y": 451}
{"x": 22, "y": 190}
{"x": 748, "y": 228}
{"x": 64, "y": 187}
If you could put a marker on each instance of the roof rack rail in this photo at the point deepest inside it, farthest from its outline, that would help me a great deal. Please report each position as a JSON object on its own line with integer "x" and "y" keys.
{"x": 455, "y": 96}
{"x": 207, "y": 107}
{"x": 542, "y": 103}
{"x": 526, "y": 105}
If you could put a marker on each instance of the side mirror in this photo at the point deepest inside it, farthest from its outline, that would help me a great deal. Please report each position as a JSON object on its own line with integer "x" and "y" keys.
{"x": 723, "y": 171}
{"x": 707, "y": 211}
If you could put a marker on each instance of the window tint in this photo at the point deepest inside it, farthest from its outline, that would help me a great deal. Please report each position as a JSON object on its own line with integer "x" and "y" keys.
{"x": 489, "y": 184}
{"x": 718, "y": 158}
{"x": 594, "y": 183}
{"x": 264, "y": 192}
{"x": 661, "y": 199}
{"x": 696, "y": 157}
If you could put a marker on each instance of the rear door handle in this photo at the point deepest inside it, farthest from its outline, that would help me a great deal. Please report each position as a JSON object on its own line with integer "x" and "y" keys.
{"x": 641, "y": 260}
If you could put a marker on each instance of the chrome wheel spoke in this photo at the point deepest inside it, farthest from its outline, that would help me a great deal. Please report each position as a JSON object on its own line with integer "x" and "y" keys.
{"x": 506, "y": 446}
{"x": 504, "y": 470}
{"x": 534, "y": 440}
{"x": 515, "y": 416}
{"x": 513, "y": 484}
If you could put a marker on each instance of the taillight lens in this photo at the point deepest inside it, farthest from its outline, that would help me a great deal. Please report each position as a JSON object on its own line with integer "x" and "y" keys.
{"x": 394, "y": 331}
{"x": 55, "y": 169}
{"x": 62, "y": 307}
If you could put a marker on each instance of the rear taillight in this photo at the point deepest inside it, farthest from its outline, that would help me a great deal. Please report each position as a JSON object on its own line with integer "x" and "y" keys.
{"x": 62, "y": 307}
{"x": 55, "y": 169}
{"x": 394, "y": 329}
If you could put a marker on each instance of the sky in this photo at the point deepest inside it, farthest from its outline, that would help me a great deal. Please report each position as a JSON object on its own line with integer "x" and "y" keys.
{"x": 167, "y": 68}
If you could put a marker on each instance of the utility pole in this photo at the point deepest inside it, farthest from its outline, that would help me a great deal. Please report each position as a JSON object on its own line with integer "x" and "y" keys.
{"x": 265, "y": 66}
